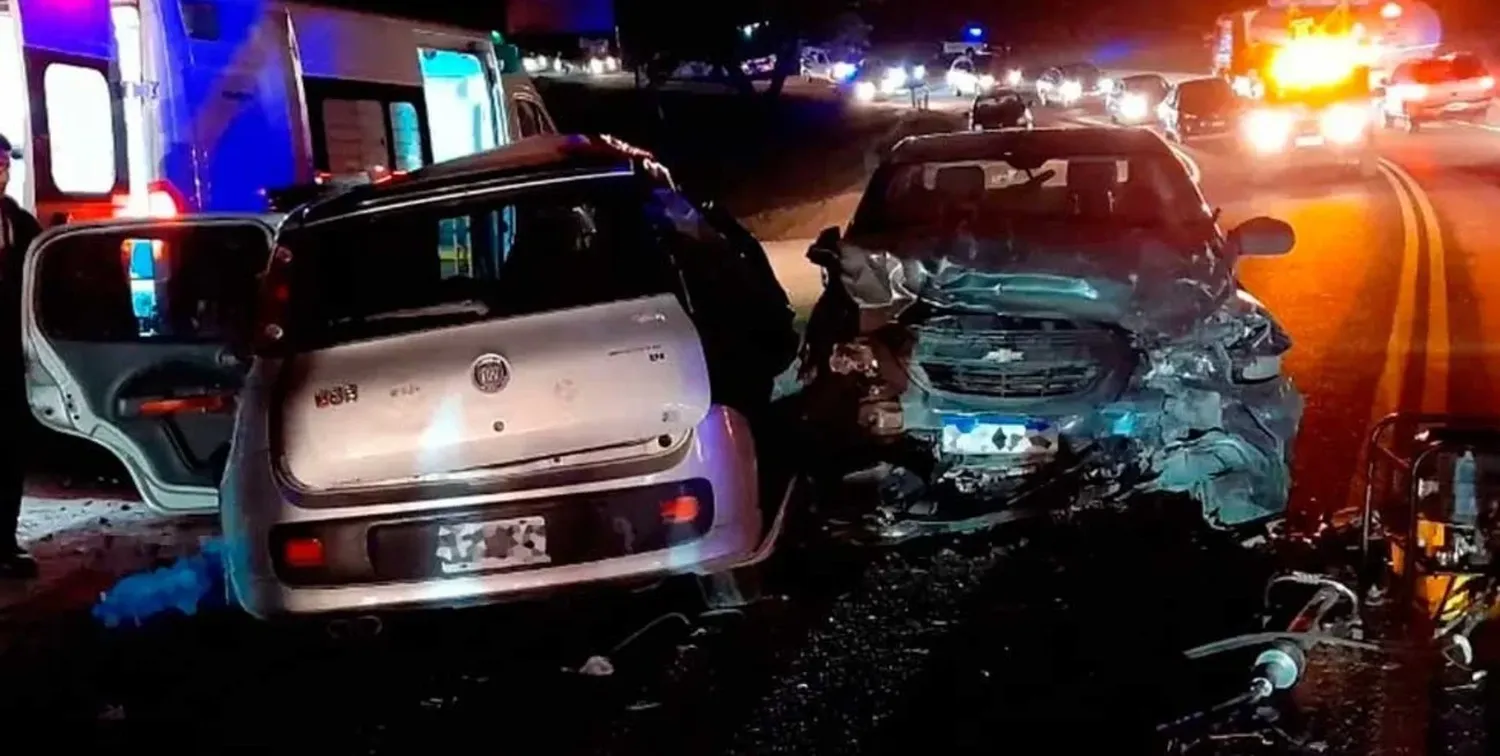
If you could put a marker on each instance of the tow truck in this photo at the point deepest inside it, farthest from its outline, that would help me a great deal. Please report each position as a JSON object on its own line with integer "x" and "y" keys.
{"x": 1312, "y": 98}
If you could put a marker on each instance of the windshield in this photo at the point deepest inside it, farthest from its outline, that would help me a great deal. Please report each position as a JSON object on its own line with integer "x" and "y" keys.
{"x": 583, "y": 243}
{"x": 992, "y": 197}
{"x": 1081, "y": 71}
{"x": 1440, "y": 70}
{"x": 1212, "y": 94}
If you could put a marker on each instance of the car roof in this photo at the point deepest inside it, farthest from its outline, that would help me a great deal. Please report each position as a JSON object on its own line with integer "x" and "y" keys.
{"x": 550, "y": 157}
{"x": 1204, "y": 81}
{"x": 995, "y": 145}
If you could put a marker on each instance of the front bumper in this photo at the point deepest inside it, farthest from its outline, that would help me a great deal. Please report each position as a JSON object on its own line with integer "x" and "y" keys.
{"x": 383, "y": 556}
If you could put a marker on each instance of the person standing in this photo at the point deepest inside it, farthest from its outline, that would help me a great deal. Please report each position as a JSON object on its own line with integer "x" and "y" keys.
{"x": 18, "y": 229}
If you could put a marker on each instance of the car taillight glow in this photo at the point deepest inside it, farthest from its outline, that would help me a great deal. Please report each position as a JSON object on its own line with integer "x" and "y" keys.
{"x": 159, "y": 201}
{"x": 1487, "y": 82}
{"x": 680, "y": 510}
{"x": 303, "y": 553}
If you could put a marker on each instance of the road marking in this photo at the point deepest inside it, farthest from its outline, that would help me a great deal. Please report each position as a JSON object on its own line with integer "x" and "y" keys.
{"x": 1415, "y": 207}
{"x": 1484, "y": 126}
{"x": 1439, "y": 357}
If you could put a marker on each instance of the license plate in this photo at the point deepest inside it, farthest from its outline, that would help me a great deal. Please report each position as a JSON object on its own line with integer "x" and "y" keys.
{"x": 491, "y": 545}
{"x": 992, "y": 436}
{"x": 1309, "y": 141}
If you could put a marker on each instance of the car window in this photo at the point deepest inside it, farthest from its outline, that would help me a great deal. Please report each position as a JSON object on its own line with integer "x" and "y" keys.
{"x": 1434, "y": 71}
{"x": 1205, "y": 94}
{"x": 533, "y": 120}
{"x": 182, "y": 284}
{"x": 541, "y": 250}
{"x": 1467, "y": 67}
{"x": 993, "y": 196}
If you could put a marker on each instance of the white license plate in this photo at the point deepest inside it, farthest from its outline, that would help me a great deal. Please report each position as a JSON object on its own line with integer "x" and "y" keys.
{"x": 1309, "y": 141}
{"x": 991, "y": 438}
{"x": 496, "y": 544}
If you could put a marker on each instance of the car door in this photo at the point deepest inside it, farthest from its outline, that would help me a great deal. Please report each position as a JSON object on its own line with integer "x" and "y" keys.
{"x": 129, "y": 327}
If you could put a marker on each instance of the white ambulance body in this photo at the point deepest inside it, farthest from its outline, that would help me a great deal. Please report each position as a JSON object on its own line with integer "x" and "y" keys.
{"x": 160, "y": 107}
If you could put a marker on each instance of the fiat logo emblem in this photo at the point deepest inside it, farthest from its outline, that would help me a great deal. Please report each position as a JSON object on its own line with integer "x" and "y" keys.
{"x": 491, "y": 373}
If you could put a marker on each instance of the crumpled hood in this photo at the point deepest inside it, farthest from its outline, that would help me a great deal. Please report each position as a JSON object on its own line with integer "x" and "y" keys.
{"x": 1135, "y": 279}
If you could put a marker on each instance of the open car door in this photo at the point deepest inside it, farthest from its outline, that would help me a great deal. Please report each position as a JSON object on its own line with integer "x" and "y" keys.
{"x": 129, "y": 328}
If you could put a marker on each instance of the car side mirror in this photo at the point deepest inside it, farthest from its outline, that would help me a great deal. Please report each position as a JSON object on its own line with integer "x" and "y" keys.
{"x": 1263, "y": 237}
{"x": 824, "y": 251}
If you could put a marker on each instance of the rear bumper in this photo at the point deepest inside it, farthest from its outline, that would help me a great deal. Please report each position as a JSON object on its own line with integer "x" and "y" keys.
{"x": 382, "y": 556}
{"x": 1438, "y": 111}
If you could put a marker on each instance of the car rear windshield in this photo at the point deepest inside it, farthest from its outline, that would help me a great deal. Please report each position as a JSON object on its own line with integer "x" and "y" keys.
{"x": 558, "y": 247}
{"x": 1205, "y": 95}
{"x": 994, "y": 198}
{"x": 1440, "y": 70}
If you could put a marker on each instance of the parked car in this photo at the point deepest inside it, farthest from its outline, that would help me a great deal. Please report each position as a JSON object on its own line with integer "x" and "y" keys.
{"x": 1455, "y": 86}
{"x": 1134, "y": 101}
{"x": 1016, "y": 321}
{"x": 1000, "y": 109}
{"x": 531, "y": 369}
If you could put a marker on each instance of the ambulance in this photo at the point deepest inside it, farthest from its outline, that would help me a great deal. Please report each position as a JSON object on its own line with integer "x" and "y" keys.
{"x": 155, "y": 108}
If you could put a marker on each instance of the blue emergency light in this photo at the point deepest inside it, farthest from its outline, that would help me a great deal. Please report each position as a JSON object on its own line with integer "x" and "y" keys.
{"x": 976, "y": 32}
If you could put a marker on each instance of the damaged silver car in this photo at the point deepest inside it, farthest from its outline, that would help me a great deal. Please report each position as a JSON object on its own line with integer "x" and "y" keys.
{"x": 1017, "y": 322}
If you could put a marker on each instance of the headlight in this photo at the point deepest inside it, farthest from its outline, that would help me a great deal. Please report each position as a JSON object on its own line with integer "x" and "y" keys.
{"x": 842, "y": 71}
{"x": 919, "y": 72}
{"x": 1013, "y": 77}
{"x": 987, "y": 81}
{"x": 1344, "y": 124}
{"x": 1071, "y": 90}
{"x": 1267, "y": 130}
{"x": 596, "y": 66}
{"x": 611, "y": 63}
{"x": 1106, "y": 85}
{"x": 894, "y": 78}
{"x": 864, "y": 91}
{"x": 1133, "y": 107}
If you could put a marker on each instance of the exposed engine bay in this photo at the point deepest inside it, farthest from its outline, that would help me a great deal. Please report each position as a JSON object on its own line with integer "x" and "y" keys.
{"x": 965, "y": 387}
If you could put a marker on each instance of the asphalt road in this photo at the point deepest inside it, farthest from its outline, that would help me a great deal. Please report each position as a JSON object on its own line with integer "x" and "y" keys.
{"x": 1023, "y": 642}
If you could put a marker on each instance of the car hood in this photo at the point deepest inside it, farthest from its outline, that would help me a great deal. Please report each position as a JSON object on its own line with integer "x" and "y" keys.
{"x": 1142, "y": 281}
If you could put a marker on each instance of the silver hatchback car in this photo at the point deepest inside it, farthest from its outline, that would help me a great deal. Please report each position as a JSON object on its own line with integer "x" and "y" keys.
{"x": 532, "y": 369}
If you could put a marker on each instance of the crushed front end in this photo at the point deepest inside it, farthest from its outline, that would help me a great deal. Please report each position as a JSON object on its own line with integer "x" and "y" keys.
{"x": 994, "y": 396}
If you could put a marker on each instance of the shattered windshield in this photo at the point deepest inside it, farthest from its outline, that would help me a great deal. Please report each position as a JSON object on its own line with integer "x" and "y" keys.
{"x": 995, "y": 198}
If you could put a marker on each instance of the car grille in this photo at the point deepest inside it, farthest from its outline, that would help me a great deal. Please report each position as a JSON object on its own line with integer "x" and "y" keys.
{"x": 1015, "y": 358}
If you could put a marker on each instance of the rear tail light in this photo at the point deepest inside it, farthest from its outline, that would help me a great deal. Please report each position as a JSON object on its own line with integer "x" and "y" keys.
{"x": 680, "y": 510}
{"x": 186, "y": 405}
{"x": 303, "y": 553}
{"x": 275, "y": 303}
{"x": 159, "y": 201}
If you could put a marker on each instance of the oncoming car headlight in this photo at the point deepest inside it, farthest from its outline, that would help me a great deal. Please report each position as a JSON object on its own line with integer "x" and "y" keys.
{"x": 1267, "y": 130}
{"x": 1013, "y": 77}
{"x": 1344, "y": 124}
{"x": 1133, "y": 107}
{"x": 1106, "y": 85}
{"x": 986, "y": 81}
{"x": 864, "y": 91}
{"x": 894, "y": 79}
{"x": 1070, "y": 90}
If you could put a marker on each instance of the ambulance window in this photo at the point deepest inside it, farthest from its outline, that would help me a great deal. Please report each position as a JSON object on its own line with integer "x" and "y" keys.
{"x": 201, "y": 19}
{"x": 354, "y": 132}
{"x": 406, "y": 133}
{"x": 80, "y": 122}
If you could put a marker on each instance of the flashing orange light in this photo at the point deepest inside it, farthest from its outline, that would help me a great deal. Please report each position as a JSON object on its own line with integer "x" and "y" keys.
{"x": 1390, "y": 11}
{"x": 1315, "y": 61}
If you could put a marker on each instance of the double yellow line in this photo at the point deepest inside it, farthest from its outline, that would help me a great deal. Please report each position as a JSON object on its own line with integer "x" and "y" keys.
{"x": 1422, "y": 236}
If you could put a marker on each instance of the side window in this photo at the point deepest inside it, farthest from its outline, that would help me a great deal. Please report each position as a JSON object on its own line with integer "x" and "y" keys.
{"x": 354, "y": 131}
{"x": 406, "y": 136}
{"x": 80, "y": 121}
{"x": 180, "y": 284}
{"x": 533, "y": 120}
